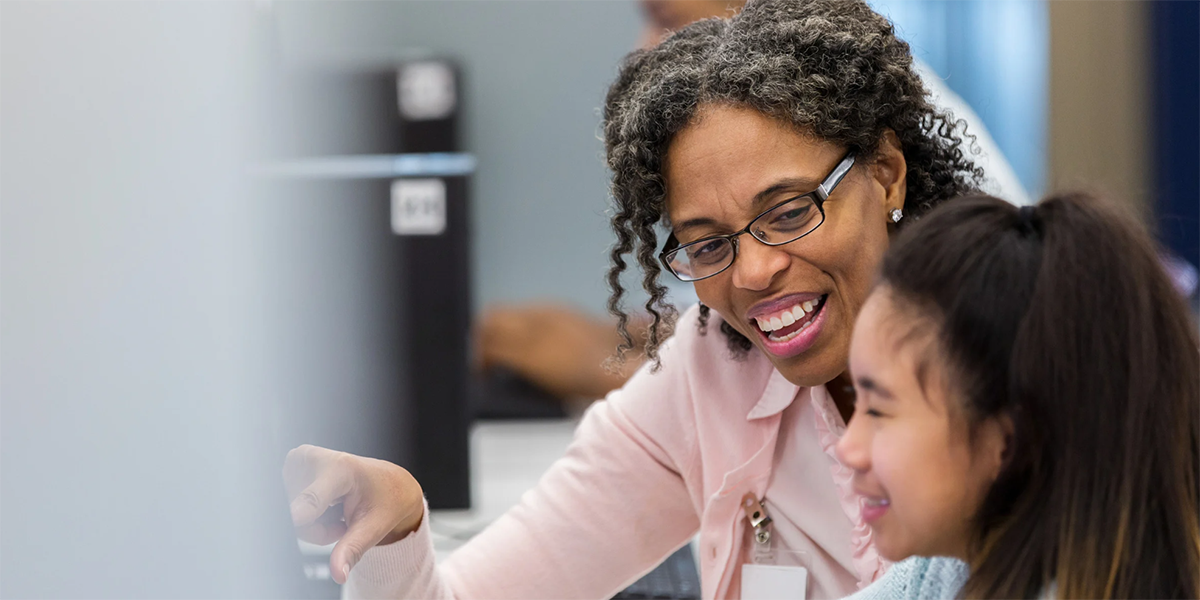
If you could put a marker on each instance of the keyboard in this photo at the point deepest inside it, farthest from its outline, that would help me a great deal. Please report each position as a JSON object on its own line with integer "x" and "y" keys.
{"x": 318, "y": 585}
{"x": 675, "y": 578}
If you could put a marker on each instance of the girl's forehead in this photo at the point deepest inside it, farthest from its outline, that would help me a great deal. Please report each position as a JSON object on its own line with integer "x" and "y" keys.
{"x": 894, "y": 326}
{"x": 897, "y": 340}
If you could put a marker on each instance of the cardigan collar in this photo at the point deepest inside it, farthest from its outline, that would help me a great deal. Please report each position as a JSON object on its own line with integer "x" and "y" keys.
{"x": 830, "y": 428}
{"x": 777, "y": 396}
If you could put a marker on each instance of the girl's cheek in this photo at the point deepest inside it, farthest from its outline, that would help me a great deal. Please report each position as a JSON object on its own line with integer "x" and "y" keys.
{"x": 880, "y": 457}
{"x": 892, "y": 458}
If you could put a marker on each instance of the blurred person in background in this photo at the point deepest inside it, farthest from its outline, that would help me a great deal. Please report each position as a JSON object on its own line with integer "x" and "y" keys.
{"x": 564, "y": 350}
{"x": 779, "y": 150}
{"x": 661, "y": 17}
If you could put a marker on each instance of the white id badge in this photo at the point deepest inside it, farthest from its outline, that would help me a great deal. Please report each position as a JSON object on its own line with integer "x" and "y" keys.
{"x": 772, "y": 582}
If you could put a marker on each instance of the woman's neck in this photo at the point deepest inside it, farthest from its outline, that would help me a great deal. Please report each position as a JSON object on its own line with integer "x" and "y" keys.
{"x": 841, "y": 390}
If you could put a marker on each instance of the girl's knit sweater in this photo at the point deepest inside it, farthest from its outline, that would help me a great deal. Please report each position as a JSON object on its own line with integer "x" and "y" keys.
{"x": 918, "y": 578}
{"x": 925, "y": 579}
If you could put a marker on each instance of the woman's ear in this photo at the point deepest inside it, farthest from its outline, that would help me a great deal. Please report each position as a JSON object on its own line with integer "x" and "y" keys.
{"x": 996, "y": 444}
{"x": 890, "y": 170}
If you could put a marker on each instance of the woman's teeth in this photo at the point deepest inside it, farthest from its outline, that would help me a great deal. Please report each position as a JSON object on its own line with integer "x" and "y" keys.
{"x": 787, "y": 318}
{"x": 876, "y": 502}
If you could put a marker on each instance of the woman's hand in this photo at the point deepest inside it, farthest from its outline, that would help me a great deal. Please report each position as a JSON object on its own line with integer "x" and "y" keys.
{"x": 558, "y": 349}
{"x": 354, "y": 501}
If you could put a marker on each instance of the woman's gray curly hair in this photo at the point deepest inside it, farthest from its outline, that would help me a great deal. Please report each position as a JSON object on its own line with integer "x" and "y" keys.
{"x": 832, "y": 68}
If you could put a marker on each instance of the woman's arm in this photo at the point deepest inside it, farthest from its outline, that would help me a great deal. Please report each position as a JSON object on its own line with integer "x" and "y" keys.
{"x": 606, "y": 513}
{"x": 614, "y": 506}
{"x": 559, "y": 349}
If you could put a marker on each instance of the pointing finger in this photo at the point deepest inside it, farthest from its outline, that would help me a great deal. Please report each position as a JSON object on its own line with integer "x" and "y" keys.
{"x": 360, "y": 536}
{"x": 315, "y": 499}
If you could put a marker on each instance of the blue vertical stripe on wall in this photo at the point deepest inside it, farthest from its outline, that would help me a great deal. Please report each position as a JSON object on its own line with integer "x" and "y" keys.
{"x": 996, "y": 56}
{"x": 1175, "y": 51}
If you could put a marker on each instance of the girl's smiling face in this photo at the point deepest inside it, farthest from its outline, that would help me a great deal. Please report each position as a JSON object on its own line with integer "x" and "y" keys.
{"x": 921, "y": 467}
{"x": 733, "y": 163}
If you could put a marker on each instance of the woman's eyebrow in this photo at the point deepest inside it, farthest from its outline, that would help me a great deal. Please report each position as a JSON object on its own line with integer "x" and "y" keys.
{"x": 804, "y": 183}
{"x": 692, "y": 223}
{"x": 870, "y": 385}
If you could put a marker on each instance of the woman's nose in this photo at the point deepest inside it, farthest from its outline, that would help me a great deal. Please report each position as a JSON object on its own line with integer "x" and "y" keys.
{"x": 757, "y": 264}
{"x": 853, "y": 450}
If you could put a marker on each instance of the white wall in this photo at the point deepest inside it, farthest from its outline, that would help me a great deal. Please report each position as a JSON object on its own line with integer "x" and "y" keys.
{"x": 133, "y": 454}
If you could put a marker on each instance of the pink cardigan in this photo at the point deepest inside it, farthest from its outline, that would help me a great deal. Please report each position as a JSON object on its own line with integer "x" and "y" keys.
{"x": 668, "y": 455}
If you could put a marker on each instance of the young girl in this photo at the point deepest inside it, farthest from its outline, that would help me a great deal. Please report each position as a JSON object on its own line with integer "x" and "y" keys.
{"x": 1028, "y": 402}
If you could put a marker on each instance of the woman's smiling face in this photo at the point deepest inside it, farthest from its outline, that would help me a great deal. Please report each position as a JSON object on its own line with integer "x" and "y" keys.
{"x": 732, "y": 164}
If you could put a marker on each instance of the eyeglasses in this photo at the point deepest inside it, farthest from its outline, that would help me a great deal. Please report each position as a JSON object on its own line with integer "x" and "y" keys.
{"x": 781, "y": 224}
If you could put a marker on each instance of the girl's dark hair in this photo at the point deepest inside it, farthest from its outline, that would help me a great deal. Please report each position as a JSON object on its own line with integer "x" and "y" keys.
{"x": 832, "y": 68}
{"x": 1062, "y": 318}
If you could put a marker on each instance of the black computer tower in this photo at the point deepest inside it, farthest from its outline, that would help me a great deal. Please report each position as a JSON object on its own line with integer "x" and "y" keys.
{"x": 373, "y": 264}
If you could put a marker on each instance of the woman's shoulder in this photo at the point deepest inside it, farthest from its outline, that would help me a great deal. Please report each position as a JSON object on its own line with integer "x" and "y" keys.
{"x": 917, "y": 578}
{"x": 697, "y": 364}
{"x": 699, "y": 341}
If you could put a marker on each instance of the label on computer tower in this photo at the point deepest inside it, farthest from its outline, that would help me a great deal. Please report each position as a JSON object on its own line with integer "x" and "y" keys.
{"x": 418, "y": 206}
{"x": 426, "y": 91}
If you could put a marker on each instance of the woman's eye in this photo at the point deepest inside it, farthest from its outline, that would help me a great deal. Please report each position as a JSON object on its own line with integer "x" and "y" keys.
{"x": 793, "y": 217}
{"x": 708, "y": 252}
{"x": 793, "y": 214}
{"x": 873, "y": 413}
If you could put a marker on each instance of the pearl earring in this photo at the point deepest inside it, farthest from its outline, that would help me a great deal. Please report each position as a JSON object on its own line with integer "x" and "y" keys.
{"x": 897, "y": 214}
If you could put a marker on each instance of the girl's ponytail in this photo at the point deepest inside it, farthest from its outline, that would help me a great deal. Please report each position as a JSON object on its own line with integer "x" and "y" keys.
{"x": 1062, "y": 317}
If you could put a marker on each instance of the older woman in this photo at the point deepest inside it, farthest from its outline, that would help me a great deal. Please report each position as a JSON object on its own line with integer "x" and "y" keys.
{"x": 562, "y": 349}
{"x": 781, "y": 149}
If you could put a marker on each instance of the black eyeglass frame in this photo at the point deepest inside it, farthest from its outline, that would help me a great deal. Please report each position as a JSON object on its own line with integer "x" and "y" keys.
{"x": 818, "y": 196}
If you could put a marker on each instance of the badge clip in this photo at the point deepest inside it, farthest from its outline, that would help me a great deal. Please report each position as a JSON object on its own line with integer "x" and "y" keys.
{"x": 756, "y": 513}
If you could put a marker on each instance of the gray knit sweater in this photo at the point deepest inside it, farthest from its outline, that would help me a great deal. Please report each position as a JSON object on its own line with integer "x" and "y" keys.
{"x": 924, "y": 579}
{"x": 918, "y": 578}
